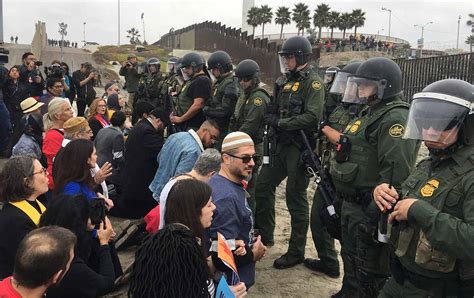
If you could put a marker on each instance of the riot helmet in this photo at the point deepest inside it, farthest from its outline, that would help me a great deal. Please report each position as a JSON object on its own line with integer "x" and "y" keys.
{"x": 339, "y": 85}
{"x": 248, "y": 70}
{"x": 171, "y": 65}
{"x": 298, "y": 47}
{"x": 220, "y": 60}
{"x": 193, "y": 60}
{"x": 142, "y": 67}
{"x": 330, "y": 74}
{"x": 443, "y": 113}
{"x": 376, "y": 79}
{"x": 153, "y": 65}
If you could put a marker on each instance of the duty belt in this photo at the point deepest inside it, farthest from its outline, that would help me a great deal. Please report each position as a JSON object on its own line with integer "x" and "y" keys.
{"x": 436, "y": 287}
{"x": 359, "y": 198}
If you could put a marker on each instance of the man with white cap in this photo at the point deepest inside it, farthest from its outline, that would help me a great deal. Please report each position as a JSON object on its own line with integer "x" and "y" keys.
{"x": 233, "y": 216}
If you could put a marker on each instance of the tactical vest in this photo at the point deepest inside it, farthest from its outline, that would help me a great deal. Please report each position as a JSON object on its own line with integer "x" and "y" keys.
{"x": 167, "y": 82}
{"x": 245, "y": 108}
{"x": 184, "y": 102}
{"x": 290, "y": 97}
{"x": 361, "y": 172}
{"x": 441, "y": 187}
{"x": 218, "y": 91}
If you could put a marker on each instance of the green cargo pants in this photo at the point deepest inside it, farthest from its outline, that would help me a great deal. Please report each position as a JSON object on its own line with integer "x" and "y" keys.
{"x": 287, "y": 163}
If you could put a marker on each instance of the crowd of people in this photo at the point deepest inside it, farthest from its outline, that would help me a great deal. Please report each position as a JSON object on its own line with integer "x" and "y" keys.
{"x": 62, "y": 43}
{"x": 359, "y": 43}
{"x": 193, "y": 158}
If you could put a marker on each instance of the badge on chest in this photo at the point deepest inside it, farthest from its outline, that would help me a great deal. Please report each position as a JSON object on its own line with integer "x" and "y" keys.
{"x": 429, "y": 188}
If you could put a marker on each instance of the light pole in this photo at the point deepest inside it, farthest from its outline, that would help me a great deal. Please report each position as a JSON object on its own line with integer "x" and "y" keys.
{"x": 389, "y": 20}
{"x": 1, "y": 21}
{"x": 63, "y": 32}
{"x": 457, "y": 40}
{"x": 422, "y": 40}
{"x": 118, "y": 19}
{"x": 84, "y": 24}
{"x": 143, "y": 21}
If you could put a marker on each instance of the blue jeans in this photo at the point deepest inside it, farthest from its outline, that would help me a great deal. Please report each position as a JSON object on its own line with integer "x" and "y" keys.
{"x": 5, "y": 127}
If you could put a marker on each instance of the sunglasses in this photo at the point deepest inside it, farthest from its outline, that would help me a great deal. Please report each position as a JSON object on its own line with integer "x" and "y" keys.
{"x": 246, "y": 158}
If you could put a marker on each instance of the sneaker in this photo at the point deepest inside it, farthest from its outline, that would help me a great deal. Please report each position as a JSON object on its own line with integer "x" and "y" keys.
{"x": 287, "y": 261}
{"x": 131, "y": 237}
{"x": 319, "y": 266}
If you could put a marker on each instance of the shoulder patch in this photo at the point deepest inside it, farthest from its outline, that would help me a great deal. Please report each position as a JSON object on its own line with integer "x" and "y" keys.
{"x": 316, "y": 85}
{"x": 396, "y": 130}
{"x": 258, "y": 101}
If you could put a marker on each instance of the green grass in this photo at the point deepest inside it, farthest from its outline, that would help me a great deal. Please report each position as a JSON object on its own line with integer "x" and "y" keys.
{"x": 105, "y": 54}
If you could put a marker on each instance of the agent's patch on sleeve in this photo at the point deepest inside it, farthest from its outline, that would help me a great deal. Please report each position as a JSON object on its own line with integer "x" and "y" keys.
{"x": 316, "y": 85}
{"x": 258, "y": 101}
{"x": 396, "y": 130}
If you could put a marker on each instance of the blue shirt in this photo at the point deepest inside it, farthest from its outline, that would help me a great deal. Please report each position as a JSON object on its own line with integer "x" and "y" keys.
{"x": 177, "y": 156}
{"x": 74, "y": 188}
{"x": 232, "y": 218}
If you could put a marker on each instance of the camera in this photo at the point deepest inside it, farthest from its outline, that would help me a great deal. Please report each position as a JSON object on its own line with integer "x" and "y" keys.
{"x": 4, "y": 55}
{"x": 54, "y": 71}
{"x": 97, "y": 211}
{"x": 129, "y": 64}
{"x": 38, "y": 63}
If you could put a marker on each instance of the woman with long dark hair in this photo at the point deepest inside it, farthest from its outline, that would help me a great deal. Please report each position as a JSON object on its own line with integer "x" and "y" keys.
{"x": 175, "y": 261}
{"x": 73, "y": 178}
{"x": 82, "y": 279}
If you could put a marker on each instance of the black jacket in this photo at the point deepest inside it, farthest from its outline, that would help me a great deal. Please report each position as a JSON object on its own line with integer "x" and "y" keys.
{"x": 141, "y": 151}
{"x": 85, "y": 92}
{"x": 27, "y": 77}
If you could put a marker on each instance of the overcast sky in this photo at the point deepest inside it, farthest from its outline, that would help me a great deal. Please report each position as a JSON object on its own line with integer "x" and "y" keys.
{"x": 160, "y": 15}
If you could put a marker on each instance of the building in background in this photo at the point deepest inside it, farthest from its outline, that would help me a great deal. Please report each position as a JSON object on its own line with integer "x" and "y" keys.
{"x": 246, "y": 5}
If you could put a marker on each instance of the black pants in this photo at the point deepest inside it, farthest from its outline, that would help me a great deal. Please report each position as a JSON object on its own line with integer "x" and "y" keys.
{"x": 81, "y": 106}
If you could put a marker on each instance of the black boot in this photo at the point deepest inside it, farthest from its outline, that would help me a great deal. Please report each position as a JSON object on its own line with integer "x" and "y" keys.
{"x": 287, "y": 261}
{"x": 320, "y": 266}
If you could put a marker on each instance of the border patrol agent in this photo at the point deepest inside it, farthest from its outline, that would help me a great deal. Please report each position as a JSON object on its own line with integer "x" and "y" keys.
{"x": 225, "y": 92}
{"x": 149, "y": 84}
{"x": 249, "y": 118}
{"x": 299, "y": 100}
{"x": 332, "y": 99}
{"x": 370, "y": 152}
{"x": 193, "y": 94}
{"x": 331, "y": 128}
{"x": 433, "y": 237}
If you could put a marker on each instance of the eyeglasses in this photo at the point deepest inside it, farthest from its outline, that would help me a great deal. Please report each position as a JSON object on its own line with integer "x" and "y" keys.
{"x": 44, "y": 171}
{"x": 245, "y": 158}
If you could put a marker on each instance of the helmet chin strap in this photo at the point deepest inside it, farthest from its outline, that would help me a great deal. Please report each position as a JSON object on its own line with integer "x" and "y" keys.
{"x": 446, "y": 151}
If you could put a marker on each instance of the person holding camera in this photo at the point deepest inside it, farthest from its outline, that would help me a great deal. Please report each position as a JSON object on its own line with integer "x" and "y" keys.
{"x": 31, "y": 75}
{"x": 84, "y": 82}
{"x": 129, "y": 70}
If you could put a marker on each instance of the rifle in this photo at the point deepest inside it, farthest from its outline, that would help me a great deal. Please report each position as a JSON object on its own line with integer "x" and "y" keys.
{"x": 325, "y": 188}
{"x": 269, "y": 133}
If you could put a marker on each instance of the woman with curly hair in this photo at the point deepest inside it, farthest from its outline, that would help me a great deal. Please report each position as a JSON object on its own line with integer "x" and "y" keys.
{"x": 98, "y": 116}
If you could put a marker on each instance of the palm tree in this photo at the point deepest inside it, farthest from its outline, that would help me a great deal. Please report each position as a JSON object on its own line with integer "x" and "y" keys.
{"x": 470, "y": 42}
{"x": 345, "y": 22}
{"x": 134, "y": 35}
{"x": 301, "y": 17}
{"x": 333, "y": 21}
{"x": 471, "y": 22}
{"x": 358, "y": 18}
{"x": 282, "y": 17}
{"x": 266, "y": 16}
{"x": 253, "y": 16}
{"x": 320, "y": 17}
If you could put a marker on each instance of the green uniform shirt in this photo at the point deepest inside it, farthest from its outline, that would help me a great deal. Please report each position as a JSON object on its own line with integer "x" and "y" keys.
{"x": 221, "y": 105}
{"x": 301, "y": 100}
{"x": 132, "y": 77}
{"x": 376, "y": 143}
{"x": 250, "y": 116}
{"x": 149, "y": 86}
{"x": 443, "y": 214}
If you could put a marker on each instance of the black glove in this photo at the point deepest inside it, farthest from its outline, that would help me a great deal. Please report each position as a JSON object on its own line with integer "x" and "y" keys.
{"x": 271, "y": 119}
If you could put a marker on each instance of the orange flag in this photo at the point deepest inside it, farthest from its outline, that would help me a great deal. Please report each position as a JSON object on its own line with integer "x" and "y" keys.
{"x": 225, "y": 254}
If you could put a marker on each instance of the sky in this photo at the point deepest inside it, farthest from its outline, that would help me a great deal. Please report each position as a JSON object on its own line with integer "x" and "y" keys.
{"x": 101, "y": 17}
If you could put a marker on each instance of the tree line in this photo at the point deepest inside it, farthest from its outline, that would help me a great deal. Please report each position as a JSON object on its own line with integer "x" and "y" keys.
{"x": 323, "y": 17}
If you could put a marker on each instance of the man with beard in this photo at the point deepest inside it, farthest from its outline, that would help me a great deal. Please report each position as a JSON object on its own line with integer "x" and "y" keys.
{"x": 233, "y": 216}
{"x": 42, "y": 259}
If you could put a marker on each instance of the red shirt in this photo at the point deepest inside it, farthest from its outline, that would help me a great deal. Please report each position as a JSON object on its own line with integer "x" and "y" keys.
{"x": 7, "y": 290}
{"x": 52, "y": 142}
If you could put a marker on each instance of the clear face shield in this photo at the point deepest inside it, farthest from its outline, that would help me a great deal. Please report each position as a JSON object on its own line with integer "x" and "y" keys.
{"x": 436, "y": 117}
{"x": 286, "y": 61}
{"x": 361, "y": 90}
{"x": 329, "y": 77}
{"x": 142, "y": 68}
{"x": 153, "y": 68}
{"x": 186, "y": 77}
{"x": 170, "y": 66}
{"x": 339, "y": 85}
{"x": 211, "y": 75}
